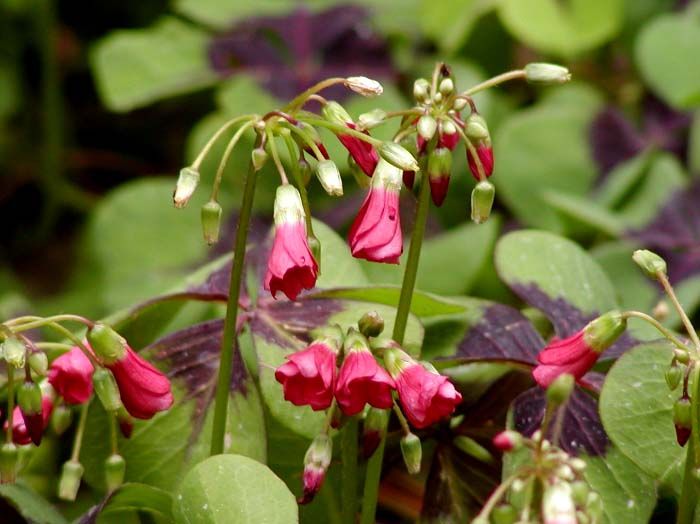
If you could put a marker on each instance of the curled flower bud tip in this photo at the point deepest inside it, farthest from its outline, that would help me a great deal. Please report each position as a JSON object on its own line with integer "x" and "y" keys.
{"x": 187, "y": 182}
{"x": 364, "y": 86}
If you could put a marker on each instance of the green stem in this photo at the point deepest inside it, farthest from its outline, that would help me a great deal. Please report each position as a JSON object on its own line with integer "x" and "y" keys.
{"x": 294, "y": 159}
{"x": 113, "y": 433}
{"x": 342, "y": 130}
{"x": 223, "y": 384}
{"x": 301, "y": 98}
{"x": 496, "y": 80}
{"x": 207, "y": 147}
{"x": 689, "y": 491}
{"x": 10, "y": 400}
{"x": 348, "y": 451}
{"x": 28, "y": 322}
{"x": 224, "y": 158}
{"x": 276, "y": 156}
{"x": 663, "y": 279}
{"x": 374, "y": 465}
{"x": 661, "y": 328}
{"x": 496, "y": 496}
{"x": 307, "y": 140}
{"x": 78, "y": 439}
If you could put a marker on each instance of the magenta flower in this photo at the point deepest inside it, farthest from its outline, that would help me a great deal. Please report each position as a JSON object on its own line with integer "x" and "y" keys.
{"x": 71, "y": 376}
{"x": 363, "y": 381}
{"x": 30, "y": 430}
{"x": 308, "y": 376}
{"x": 485, "y": 153}
{"x": 363, "y": 153}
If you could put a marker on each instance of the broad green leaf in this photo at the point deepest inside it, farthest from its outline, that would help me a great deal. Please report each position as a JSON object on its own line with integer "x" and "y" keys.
{"x": 578, "y": 94}
{"x": 540, "y": 150}
{"x": 135, "y": 67}
{"x": 636, "y": 409}
{"x": 621, "y": 180}
{"x": 666, "y": 54}
{"x": 30, "y": 504}
{"x": 562, "y": 29}
{"x": 139, "y": 497}
{"x": 449, "y": 22}
{"x": 557, "y": 267}
{"x": 585, "y": 212}
{"x": 233, "y": 488}
{"x": 338, "y": 267}
{"x": 629, "y": 494}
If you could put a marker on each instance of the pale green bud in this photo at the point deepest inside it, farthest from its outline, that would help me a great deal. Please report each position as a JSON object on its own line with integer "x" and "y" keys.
{"x": 545, "y": 74}
{"x": 187, "y": 182}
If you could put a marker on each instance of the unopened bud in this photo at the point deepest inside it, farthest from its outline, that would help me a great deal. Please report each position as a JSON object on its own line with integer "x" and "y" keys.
{"x": 334, "y": 112}
{"x": 459, "y": 104}
{"x": 446, "y": 86}
{"x": 8, "y": 462}
{"x": 61, "y": 418}
{"x": 106, "y": 389}
{"x": 372, "y": 118}
{"x": 412, "y": 453}
{"x": 508, "y": 440}
{"x": 544, "y": 74}
{"x": 651, "y": 263}
{"x": 601, "y": 333}
{"x": 473, "y": 448}
{"x": 69, "y": 483}
{"x": 14, "y": 352}
{"x": 483, "y": 196}
{"x": 437, "y": 98}
{"x": 38, "y": 362}
{"x": 329, "y": 176}
{"x": 504, "y": 514}
{"x": 558, "y": 505}
{"x": 398, "y": 156}
{"x": 421, "y": 89}
{"x": 316, "y": 462}
{"x": 673, "y": 376}
{"x": 475, "y": 128}
{"x": 211, "y": 221}
{"x": 371, "y": 324}
{"x": 115, "y": 466}
{"x": 187, "y": 182}
{"x": 426, "y": 127}
{"x": 364, "y": 86}
{"x": 682, "y": 420}
{"x": 29, "y": 401}
{"x": 559, "y": 391}
{"x": 258, "y": 157}
{"x": 661, "y": 311}
{"x": 107, "y": 344}
{"x": 578, "y": 464}
{"x": 373, "y": 430}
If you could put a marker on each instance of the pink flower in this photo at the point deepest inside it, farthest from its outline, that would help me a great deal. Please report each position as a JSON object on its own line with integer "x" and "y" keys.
{"x": 312, "y": 478}
{"x": 71, "y": 376}
{"x": 28, "y": 431}
{"x": 308, "y": 378}
{"x": 363, "y": 153}
{"x": 485, "y": 153}
{"x": 448, "y": 140}
{"x": 571, "y": 355}
{"x": 376, "y": 232}
{"x": 439, "y": 169}
{"x": 291, "y": 267}
{"x": 362, "y": 381}
{"x": 425, "y": 397}
{"x": 144, "y": 390}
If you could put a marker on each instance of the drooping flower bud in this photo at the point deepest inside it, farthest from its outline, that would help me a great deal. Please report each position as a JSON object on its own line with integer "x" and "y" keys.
{"x": 311, "y": 135}
{"x": 106, "y": 343}
{"x": 421, "y": 90}
{"x": 439, "y": 169}
{"x": 557, "y": 504}
{"x": 71, "y": 376}
{"x": 476, "y": 129}
{"x": 559, "y": 391}
{"x": 578, "y": 353}
{"x": 459, "y": 103}
{"x": 9, "y": 455}
{"x": 480, "y": 156}
{"x": 334, "y": 112}
{"x": 106, "y": 389}
{"x": 446, "y": 86}
{"x": 375, "y": 234}
{"x": 38, "y": 362}
{"x": 361, "y": 379}
{"x": 61, "y": 419}
{"x": 69, "y": 483}
{"x": 373, "y": 430}
{"x": 258, "y": 157}
{"x": 187, "y": 182}
{"x": 316, "y": 462}
{"x": 483, "y": 196}
{"x": 546, "y": 74}
{"x": 29, "y": 400}
{"x": 651, "y": 263}
{"x": 673, "y": 376}
{"x": 508, "y": 440}
{"x": 371, "y": 324}
{"x": 371, "y": 118}
{"x": 329, "y": 176}
{"x": 447, "y": 135}
{"x": 412, "y": 453}
{"x": 291, "y": 266}
{"x": 14, "y": 352}
{"x": 426, "y": 126}
{"x": 211, "y": 221}
{"x": 682, "y": 419}
{"x": 364, "y": 86}
{"x": 115, "y": 466}
{"x": 398, "y": 156}
{"x": 361, "y": 151}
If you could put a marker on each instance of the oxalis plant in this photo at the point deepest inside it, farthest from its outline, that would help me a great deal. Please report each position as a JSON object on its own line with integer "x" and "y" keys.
{"x": 363, "y": 373}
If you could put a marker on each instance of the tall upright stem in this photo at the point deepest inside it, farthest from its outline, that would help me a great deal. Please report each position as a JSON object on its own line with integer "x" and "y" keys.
{"x": 349, "y": 474}
{"x": 687, "y": 505}
{"x": 374, "y": 465}
{"x": 223, "y": 384}
{"x": 663, "y": 279}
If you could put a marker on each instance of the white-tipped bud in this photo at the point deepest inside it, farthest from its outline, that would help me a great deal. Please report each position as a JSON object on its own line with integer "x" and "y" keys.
{"x": 558, "y": 505}
{"x": 364, "y": 86}
{"x": 187, "y": 182}
{"x": 426, "y": 127}
{"x": 447, "y": 86}
{"x": 459, "y": 104}
{"x": 288, "y": 206}
{"x": 329, "y": 176}
{"x": 543, "y": 73}
{"x": 398, "y": 156}
{"x": 421, "y": 89}
{"x": 371, "y": 118}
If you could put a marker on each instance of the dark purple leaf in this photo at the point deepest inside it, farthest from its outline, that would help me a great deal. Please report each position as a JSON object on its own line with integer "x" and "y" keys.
{"x": 289, "y": 53}
{"x": 675, "y": 233}
{"x": 582, "y": 430}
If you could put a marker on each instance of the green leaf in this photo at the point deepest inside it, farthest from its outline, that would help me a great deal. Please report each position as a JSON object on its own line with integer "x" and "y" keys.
{"x": 586, "y": 212}
{"x": 622, "y": 179}
{"x": 135, "y": 67}
{"x": 636, "y": 409}
{"x": 139, "y": 497}
{"x": 449, "y": 22}
{"x": 629, "y": 495}
{"x": 30, "y": 504}
{"x": 666, "y": 54}
{"x": 556, "y": 266}
{"x": 540, "y": 150}
{"x": 232, "y": 488}
{"x": 562, "y": 29}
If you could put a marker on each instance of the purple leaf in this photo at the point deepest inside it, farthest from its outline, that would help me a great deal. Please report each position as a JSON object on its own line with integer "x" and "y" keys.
{"x": 289, "y": 53}
{"x": 582, "y": 429}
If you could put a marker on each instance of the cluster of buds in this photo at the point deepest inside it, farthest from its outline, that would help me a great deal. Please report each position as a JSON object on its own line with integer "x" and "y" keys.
{"x": 566, "y": 496}
{"x": 126, "y": 384}
{"x": 342, "y": 370}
